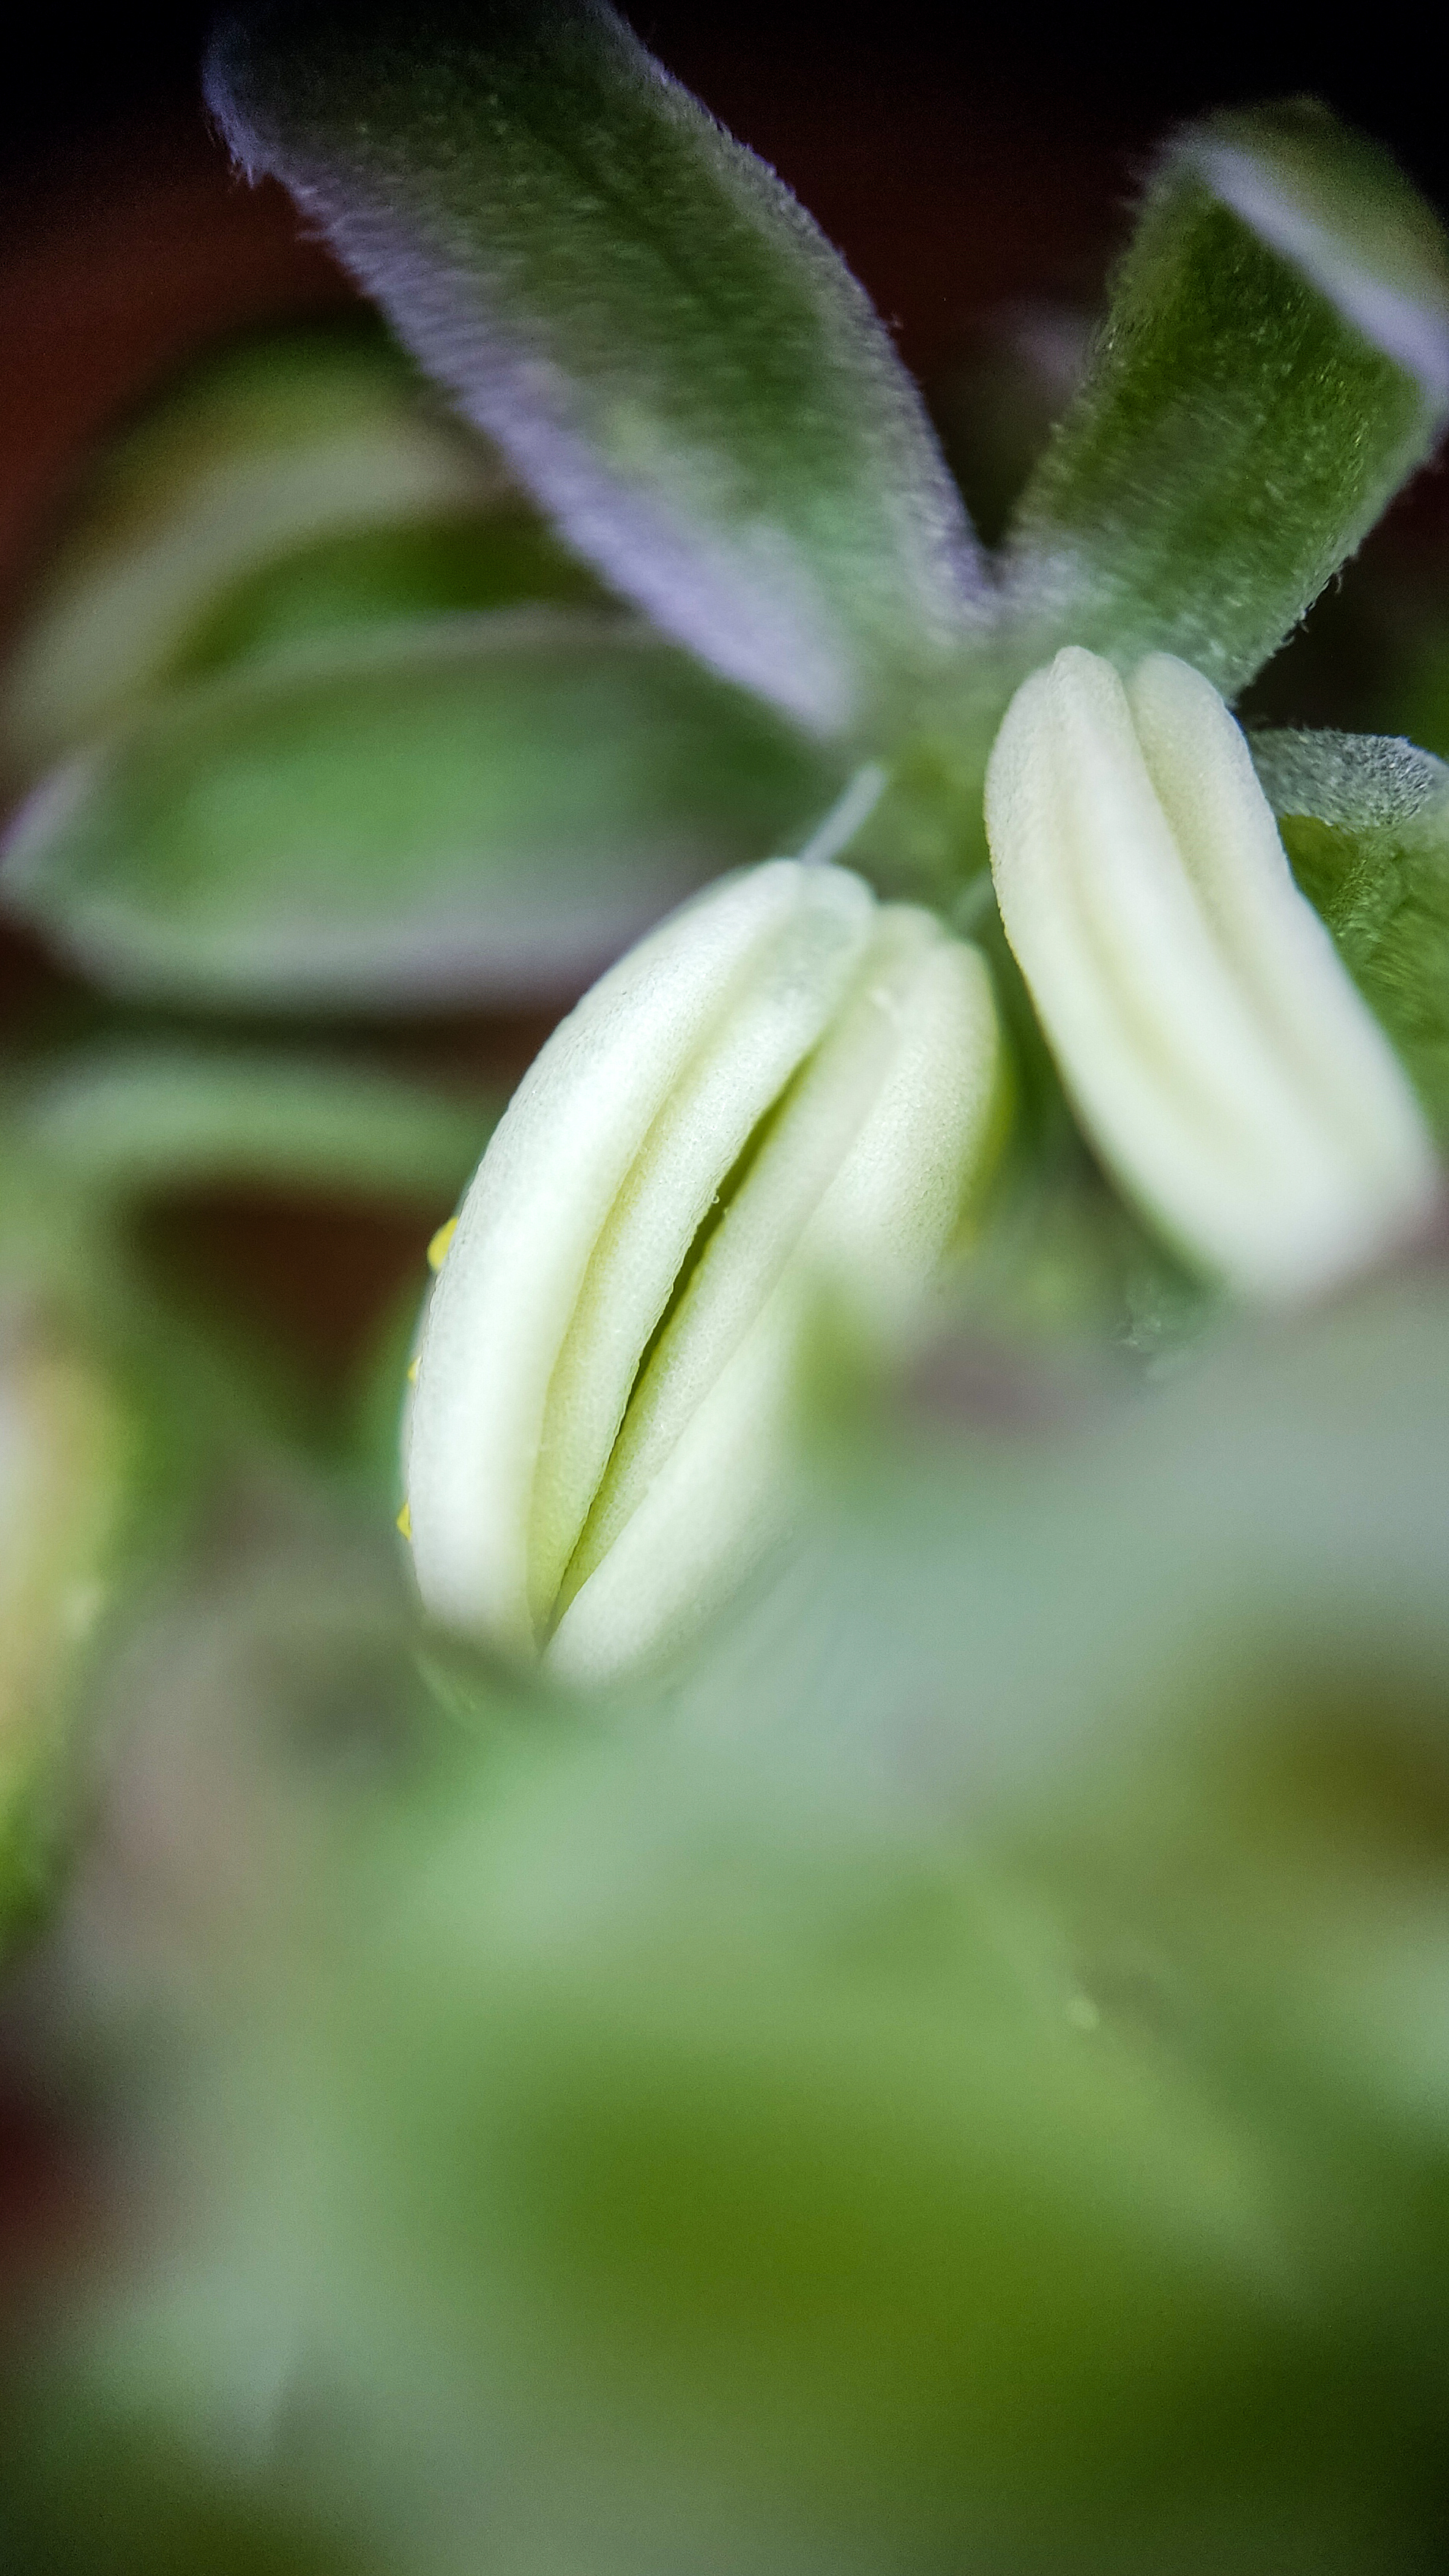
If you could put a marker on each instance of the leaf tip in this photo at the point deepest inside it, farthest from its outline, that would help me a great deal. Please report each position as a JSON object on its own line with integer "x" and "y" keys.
{"x": 1338, "y": 209}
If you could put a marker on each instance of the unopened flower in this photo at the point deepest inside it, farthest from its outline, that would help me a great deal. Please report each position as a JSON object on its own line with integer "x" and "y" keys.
{"x": 1219, "y": 1056}
{"x": 787, "y": 1091}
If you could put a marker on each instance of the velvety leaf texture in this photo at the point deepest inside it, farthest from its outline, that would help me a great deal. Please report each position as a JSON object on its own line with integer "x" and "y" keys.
{"x": 641, "y": 315}
{"x": 1274, "y": 364}
{"x": 1365, "y": 821}
{"x": 472, "y": 807}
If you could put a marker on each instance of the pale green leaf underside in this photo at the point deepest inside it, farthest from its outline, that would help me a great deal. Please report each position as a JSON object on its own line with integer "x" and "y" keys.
{"x": 140, "y": 1118}
{"x": 639, "y": 313}
{"x": 1365, "y": 821}
{"x": 306, "y": 439}
{"x": 476, "y": 808}
{"x": 1275, "y": 363}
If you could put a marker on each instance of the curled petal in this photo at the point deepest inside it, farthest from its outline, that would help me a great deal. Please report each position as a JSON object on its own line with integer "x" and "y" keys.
{"x": 787, "y": 1089}
{"x": 1217, "y": 1051}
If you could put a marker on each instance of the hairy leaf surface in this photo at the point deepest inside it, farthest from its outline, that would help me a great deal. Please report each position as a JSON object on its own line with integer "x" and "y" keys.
{"x": 1275, "y": 363}
{"x": 1365, "y": 821}
{"x": 641, "y": 315}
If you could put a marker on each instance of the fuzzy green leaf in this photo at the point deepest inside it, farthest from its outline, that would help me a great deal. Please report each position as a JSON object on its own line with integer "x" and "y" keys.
{"x": 1274, "y": 365}
{"x": 475, "y": 808}
{"x": 638, "y": 312}
{"x": 1034, "y": 1599}
{"x": 137, "y": 1118}
{"x": 1365, "y": 821}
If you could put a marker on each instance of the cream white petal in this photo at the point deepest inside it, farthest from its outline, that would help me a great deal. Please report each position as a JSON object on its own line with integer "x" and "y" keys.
{"x": 719, "y": 1501}
{"x": 788, "y": 1092}
{"x": 709, "y": 1481}
{"x": 1217, "y": 1051}
{"x": 628, "y": 1086}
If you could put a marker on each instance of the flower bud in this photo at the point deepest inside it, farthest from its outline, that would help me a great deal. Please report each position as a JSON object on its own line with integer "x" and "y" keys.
{"x": 786, "y": 1090}
{"x": 1216, "y": 1050}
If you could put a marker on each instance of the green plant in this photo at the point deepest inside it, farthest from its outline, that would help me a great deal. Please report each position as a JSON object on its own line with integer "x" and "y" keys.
{"x": 944, "y": 2064}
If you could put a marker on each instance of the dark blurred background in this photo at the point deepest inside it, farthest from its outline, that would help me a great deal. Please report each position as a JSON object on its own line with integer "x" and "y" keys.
{"x": 73, "y": 66}
{"x": 959, "y": 157}
{"x": 956, "y": 154}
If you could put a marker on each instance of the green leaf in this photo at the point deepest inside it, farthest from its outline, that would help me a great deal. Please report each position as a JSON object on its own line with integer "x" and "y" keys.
{"x": 1274, "y": 365}
{"x": 279, "y": 444}
{"x": 78, "y": 2490}
{"x": 136, "y": 1118}
{"x": 364, "y": 579}
{"x": 471, "y": 809}
{"x": 69, "y": 1471}
{"x": 1032, "y": 1596}
{"x": 856, "y": 2115}
{"x": 1365, "y": 822}
{"x": 638, "y": 312}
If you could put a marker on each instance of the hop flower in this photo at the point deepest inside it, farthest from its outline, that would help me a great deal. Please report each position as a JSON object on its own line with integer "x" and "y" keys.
{"x": 1214, "y": 1045}
{"x": 787, "y": 1091}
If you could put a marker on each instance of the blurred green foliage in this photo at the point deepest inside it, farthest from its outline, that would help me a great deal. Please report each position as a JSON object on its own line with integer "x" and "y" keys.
{"x": 953, "y": 2072}
{"x": 956, "y": 2075}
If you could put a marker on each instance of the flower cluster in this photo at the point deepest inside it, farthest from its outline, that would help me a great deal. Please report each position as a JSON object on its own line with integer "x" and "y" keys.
{"x": 789, "y": 1093}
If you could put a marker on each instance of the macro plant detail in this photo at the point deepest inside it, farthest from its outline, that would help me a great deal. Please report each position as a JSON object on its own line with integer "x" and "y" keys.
{"x": 778, "y": 1109}
{"x": 1214, "y": 1042}
{"x": 635, "y": 338}
{"x": 837, "y": 1960}
{"x": 65, "y": 1474}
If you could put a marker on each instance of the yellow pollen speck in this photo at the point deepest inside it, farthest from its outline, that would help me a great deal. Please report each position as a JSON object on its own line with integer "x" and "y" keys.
{"x": 438, "y": 1248}
{"x": 405, "y": 1521}
{"x": 412, "y": 1372}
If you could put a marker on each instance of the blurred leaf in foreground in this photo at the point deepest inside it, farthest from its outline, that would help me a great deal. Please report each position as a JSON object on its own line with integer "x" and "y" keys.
{"x": 824, "y": 2109}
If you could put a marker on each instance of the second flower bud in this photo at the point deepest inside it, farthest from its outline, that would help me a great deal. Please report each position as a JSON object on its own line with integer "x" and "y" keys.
{"x": 1217, "y": 1053}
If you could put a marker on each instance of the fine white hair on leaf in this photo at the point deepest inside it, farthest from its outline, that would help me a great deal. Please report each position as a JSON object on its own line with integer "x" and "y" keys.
{"x": 640, "y": 314}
